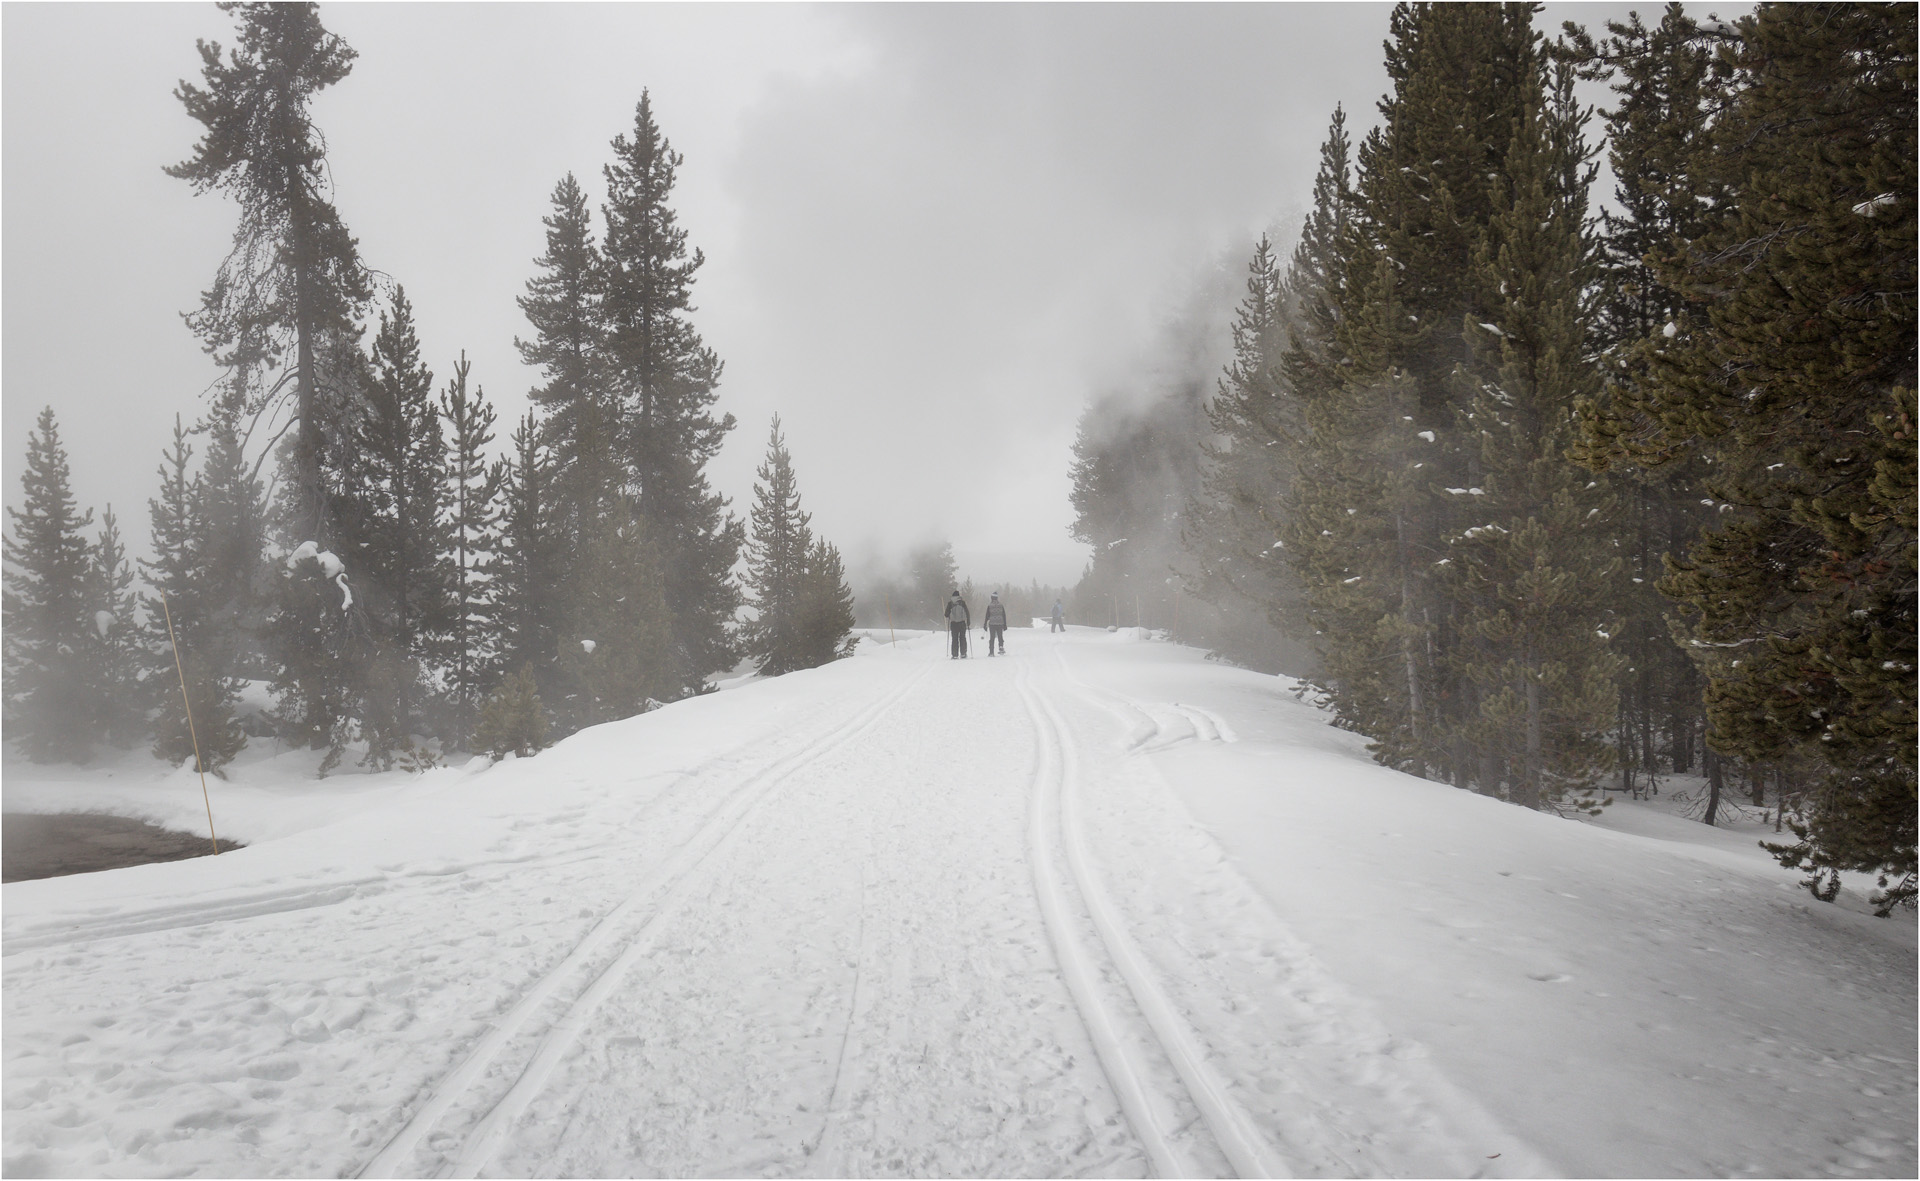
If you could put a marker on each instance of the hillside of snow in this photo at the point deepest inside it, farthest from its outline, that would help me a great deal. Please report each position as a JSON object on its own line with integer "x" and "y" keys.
{"x": 1098, "y": 907}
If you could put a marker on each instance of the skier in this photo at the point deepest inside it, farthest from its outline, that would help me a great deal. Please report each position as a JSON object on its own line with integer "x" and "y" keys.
{"x": 1059, "y": 618}
{"x": 959, "y": 619}
{"x": 996, "y": 621}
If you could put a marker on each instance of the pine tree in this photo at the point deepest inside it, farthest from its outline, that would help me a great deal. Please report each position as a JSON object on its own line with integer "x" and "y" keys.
{"x": 1534, "y": 582}
{"x": 524, "y": 589}
{"x": 1373, "y": 368}
{"x": 663, "y": 378}
{"x": 233, "y": 515}
{"x": 513, "y": 721}
{"x": 564, "y": 305}
{"x": 615, "y": 643}
{"x": 1235, "y": 528}
{"x": 327, "y": 658}
{"x": 1663, "y": 81}
{"x": 777, "y": 554}
{"x": 1231, "y": 528}
{"x": 473, "y": 491}
{"x": 1347, "y": 538}
{"x": 1792, "y": 376}
{"x": 825, "y": 608}
{"x": 294, "y": 277}
{"x": 185, "y": 645}
{"x": 394, "y": 536}
{"x": 116, "y": 655}
{"x": 48, "y": 620}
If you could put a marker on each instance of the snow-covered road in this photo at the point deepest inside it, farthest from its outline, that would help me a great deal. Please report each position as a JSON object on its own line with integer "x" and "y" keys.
{"x": 897, "y": 916}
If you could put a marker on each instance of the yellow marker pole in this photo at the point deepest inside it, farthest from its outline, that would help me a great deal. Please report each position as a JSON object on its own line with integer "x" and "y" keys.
{"x": 890, "y": 640}
{"x": 198, "y": 765}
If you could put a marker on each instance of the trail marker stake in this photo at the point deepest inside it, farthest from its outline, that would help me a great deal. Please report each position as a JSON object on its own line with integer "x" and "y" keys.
{"x": 198, "y": 765}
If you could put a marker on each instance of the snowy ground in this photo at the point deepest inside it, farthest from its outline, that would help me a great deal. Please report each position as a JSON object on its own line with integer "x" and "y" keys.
{"x": 1100, "y": 907}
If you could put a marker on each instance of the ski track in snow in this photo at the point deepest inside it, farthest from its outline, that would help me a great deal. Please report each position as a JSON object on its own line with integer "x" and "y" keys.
{"x": 658, "y": 895}
{"x": 1246, "y": 1151}
{"x": 871, "y": 972}
{"x": 1320, "y": 1086}
{"x": 922, "y": 918}
{"x": 1184, "y": 1117}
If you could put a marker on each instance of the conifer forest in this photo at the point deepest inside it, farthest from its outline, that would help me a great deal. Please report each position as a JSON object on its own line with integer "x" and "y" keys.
{"x": 1567, "y": 491}
{"x": 407, "y": 575}
{"x": 1563, "y": 447}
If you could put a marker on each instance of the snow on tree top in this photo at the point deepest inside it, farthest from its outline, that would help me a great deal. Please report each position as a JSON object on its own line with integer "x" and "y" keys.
{"x": 330, "y": 563}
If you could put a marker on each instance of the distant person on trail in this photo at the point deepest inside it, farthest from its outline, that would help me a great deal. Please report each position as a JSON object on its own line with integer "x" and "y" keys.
{"x": 1059, "y": 618}
{"x": 996, "y": 621}
{"x": 959, "y": 619}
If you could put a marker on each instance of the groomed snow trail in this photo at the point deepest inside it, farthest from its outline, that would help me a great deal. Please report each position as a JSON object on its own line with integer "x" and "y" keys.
{"x": 627, "y": 927}
{"x": 894, "y": 952}
{"x": 922, "y": 917}
{"x": 907, "y": 916}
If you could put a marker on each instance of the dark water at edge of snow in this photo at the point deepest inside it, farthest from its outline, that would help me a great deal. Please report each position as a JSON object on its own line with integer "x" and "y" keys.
{"x": 49, "y": 845}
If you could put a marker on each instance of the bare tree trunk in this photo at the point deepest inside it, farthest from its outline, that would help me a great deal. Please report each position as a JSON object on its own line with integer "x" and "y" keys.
{"x": 1626, "y": 743}
{"x": 1530, "y": 773}
{"x": 1416, "y": 708}
{"x": 306, "y": 455}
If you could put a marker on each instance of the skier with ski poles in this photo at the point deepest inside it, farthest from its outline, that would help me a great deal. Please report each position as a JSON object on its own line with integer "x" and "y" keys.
{"x": 959, "y": 619}
{"x": 996, "y": 621}
{"x": 1059, "y": 618}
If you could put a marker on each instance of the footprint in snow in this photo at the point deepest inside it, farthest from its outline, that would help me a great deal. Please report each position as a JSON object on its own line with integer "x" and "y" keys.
{"x": 1549, "y": 977}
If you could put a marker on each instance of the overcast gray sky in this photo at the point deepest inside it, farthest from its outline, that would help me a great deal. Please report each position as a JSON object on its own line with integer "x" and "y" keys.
{"x": 931, "y": 231}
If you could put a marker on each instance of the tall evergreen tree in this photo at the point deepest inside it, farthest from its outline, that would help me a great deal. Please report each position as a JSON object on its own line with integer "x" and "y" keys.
{"x": 324, "y": 650}
{"x": 1235, "y": 529}
{"x": 777, "y": 554}
{"x": 187, "y": 642}
{"x": 1534, "y": 581}
{"x": 1664, "y": 87}
{"x": 394, "y": 534}
{"x": 664, "y": 377}
{"x": 49, "y": 621}
{"x": 564, "y": 305}
{"x": 233, "y": 514}
{"x": 1792, "y": 376}
{"x": 1373, "y": 368}
{"x": 294, "y": 277}
{"x": 524, "y": 586}
{"x": 473, "y": 492}
{"x": 1231, "y": 529}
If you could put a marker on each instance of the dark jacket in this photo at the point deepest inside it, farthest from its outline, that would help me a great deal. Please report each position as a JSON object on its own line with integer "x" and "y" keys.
{"x": 996, "y": 615}
{"x": 957, "y": 611}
